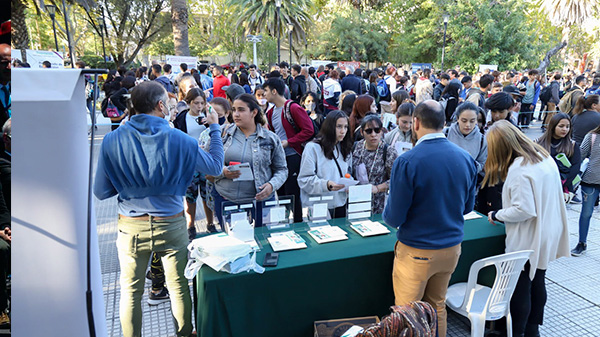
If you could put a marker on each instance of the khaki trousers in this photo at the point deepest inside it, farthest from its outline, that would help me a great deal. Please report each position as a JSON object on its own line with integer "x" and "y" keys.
{"x": 423, "y": 275}
{"x": 136, "y": 241}
{"x": 548, "y": 115}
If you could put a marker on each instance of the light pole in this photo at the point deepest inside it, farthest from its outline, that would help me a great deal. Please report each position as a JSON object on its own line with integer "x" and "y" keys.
{"x": 68, "y": 35}
{"x": 52, "y": 12}
{"x": 446, "y": 18}
{"x": 278, "y": 19}
{"x": 290, "y": 28}
{"x": 103, "y": 49}
{"x": 254, "y": 39}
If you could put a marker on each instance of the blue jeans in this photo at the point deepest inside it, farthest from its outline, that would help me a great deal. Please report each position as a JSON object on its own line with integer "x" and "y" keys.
{"x": 589, "y": 194}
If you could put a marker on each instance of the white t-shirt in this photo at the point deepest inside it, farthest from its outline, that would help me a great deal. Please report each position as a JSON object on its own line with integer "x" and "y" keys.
{"x": 193, "y": 128}
{"x": 330, "y": 87}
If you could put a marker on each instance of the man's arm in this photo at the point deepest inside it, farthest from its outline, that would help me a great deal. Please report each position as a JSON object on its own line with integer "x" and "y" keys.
{"x": 212, "y": 163}
{"x": 103, "y": 187}
{"x": 472, "y": 191}
{"x": 303, "y": 123}
{"x": 401, "y": 194}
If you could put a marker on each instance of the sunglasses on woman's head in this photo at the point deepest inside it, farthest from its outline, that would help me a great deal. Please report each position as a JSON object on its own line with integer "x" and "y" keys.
{"x": 369, "y": 131}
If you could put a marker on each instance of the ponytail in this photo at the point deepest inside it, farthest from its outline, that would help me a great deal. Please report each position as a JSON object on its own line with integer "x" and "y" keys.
{"x": 585, "y": 103}
{"x": 578, "y": 108}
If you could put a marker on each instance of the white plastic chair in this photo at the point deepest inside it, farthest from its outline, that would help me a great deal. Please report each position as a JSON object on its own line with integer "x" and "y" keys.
{"x": 480, "y": 303}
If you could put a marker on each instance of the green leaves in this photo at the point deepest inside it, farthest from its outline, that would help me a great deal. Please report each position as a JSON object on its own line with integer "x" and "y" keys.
{"x": 353, "y": 37}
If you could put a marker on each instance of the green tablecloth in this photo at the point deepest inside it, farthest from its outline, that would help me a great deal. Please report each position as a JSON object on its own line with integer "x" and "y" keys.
{"x": 350, "y": 278}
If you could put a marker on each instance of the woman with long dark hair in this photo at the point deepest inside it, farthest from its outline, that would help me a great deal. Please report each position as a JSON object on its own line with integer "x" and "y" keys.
{"x": 533, "y": 212}
{"x": 450, "y": 97}
{"x": 325, "y": 160}
{"x": 590, "y": 186}
{"x": 309, "y": 102}
{"x": 247, "y": 141}
{"x": 557, "y": 141}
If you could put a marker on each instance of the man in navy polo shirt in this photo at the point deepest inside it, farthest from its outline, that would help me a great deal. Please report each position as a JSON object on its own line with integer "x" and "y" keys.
{"x": 431, "y": 187}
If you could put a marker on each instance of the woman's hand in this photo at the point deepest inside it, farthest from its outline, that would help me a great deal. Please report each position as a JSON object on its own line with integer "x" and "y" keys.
{"x": 231, "y": 174}
{"x": 490, "y": 218}
{"x": 334, "y": 187}
{"x": 265, "y": 191}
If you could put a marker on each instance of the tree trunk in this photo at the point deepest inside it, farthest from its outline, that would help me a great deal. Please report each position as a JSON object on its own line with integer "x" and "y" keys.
{"x": 546, "y": 61}
{"x": 20, "y": 38}
{"x": 179, "y": 16}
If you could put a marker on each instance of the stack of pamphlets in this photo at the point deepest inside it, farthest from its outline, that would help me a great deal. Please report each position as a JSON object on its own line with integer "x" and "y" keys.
{"x": 286, "y": 241}
{"x": 369, "y": 228}
{"x": 328, "y": 233}
{"x": 472, "y": 215}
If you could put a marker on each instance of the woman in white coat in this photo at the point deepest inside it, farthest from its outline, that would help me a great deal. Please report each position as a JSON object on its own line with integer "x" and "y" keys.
{"x": 534, "y": 212}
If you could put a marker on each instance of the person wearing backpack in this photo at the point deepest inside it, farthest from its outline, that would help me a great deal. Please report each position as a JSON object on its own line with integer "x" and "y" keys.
{"x": 294, "y": 127}
{"x": 571, "y": 97}
{"x": 532, "y": 94}
{"x": 595, "y": 88}
{"x": 550, "y": 95}
{"x": 383, "y": 90}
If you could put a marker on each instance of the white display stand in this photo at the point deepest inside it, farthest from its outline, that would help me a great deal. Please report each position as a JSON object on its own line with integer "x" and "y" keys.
{"x": 50, "y": 207}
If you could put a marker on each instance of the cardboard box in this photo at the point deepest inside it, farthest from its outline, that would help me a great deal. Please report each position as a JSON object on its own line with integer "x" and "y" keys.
{"x": 337, "y": 327}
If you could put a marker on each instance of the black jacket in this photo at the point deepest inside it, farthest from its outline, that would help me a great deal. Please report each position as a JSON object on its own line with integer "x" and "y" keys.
{"x": 437, "y": 91}
{"x": 298, "y": 88}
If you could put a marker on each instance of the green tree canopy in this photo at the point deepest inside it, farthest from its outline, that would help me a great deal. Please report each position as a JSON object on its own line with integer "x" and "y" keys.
{"x": 352, "y": 37}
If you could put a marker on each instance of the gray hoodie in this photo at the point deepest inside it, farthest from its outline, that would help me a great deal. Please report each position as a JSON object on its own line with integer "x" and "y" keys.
{"x": 474, "y": 143}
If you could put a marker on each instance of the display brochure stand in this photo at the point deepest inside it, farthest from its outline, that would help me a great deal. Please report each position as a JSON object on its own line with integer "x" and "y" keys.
{"x": 278, "y": 214}
{"x": 239, "y": 221}
{"x": 236, "y": 211}
{"x": 360, "y": 200}
{"x": 318, "y": 209}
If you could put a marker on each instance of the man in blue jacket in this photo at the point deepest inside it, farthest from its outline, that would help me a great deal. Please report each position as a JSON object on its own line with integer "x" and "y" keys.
{"x": 352, "y": 82}
{"x": 149, "y": 165}
{"x": 431, "y": 187}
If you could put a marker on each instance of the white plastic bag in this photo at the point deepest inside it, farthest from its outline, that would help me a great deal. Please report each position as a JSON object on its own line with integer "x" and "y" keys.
{"x": 221, "y": 252}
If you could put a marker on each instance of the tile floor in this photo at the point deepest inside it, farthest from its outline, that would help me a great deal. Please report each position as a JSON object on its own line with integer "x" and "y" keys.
{"x": 573, "y": 307}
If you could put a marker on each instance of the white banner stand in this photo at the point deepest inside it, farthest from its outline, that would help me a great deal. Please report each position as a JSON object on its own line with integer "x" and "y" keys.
{"x": 49, "y": 207}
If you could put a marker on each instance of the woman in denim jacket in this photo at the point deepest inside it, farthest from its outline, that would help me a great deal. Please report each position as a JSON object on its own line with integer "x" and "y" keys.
{"x": 247, "y": 141}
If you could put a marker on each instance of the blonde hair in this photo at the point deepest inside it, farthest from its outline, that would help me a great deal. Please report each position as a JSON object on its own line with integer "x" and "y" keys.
{"x": 505, "y": 144}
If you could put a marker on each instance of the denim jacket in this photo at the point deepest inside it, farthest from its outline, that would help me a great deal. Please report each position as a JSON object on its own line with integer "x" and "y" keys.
{"x": 268, "y": 157}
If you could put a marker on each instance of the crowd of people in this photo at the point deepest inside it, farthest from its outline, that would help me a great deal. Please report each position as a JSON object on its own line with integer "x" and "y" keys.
{"x": 301, "y": 129}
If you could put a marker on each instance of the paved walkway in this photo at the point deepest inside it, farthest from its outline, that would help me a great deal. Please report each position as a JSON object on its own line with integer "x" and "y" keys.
{"x": 573, "y": 307}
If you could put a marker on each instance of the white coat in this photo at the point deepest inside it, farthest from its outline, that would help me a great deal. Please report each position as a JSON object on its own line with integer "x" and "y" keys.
{"x": 534, "y": 212}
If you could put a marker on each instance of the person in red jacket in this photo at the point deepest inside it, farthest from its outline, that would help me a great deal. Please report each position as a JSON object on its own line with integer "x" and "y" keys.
{"x": 293, "y": 135}
{"x": 219, "y": 82}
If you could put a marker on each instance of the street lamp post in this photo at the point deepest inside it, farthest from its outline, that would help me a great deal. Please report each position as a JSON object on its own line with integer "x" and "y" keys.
{"x": 68, "y": 35}
{"x": 52, "y": 12}
{"x": 446, "y": 18}
{"x": 103, "y": 48}
{"x": 290, "y": 28}
{"x": 254, "y": 39}
{"x": 278, "y": 4}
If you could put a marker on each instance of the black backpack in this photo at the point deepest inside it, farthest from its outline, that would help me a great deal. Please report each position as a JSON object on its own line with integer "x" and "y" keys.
{"x": 288, "y": 116}
{"x": 546, "y": 93}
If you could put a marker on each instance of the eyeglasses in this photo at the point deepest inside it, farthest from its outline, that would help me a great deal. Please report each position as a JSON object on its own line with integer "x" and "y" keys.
{"x": 370, "y": 131}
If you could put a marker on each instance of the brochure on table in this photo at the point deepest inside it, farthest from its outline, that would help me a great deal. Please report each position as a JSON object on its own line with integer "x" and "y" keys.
{"x": 327, "y": 233}
{"x": 369, "y": 228}
{"x": 277, "y": 214}
{"x": 471, "y": 216}
{"x": 287, "y": 240}
{"x": 360, "y": 202}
